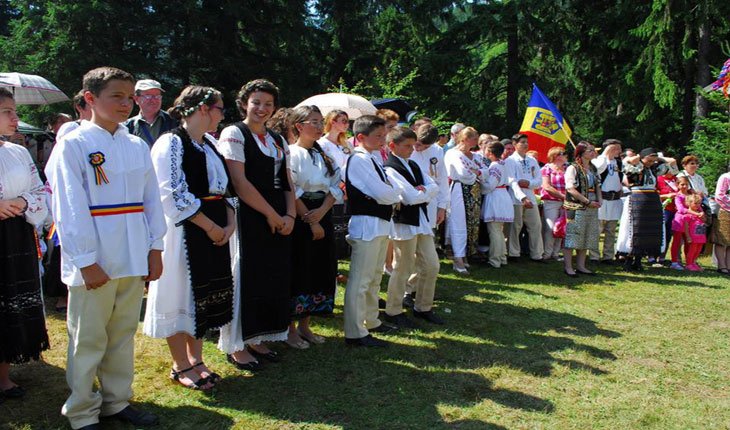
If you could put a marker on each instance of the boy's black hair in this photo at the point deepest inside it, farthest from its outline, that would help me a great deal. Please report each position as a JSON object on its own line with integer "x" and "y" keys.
{"x": 79, "y": 100}
{"x": 399, "y": 134}
{"x": 366, "y": 124}
{"x": 495, "y": 148}
{"x": 516, "y": 138}
{"x": 96, "y": 80}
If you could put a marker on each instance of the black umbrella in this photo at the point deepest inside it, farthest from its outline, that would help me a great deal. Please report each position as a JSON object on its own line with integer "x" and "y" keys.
{"x": 399, "y": 106}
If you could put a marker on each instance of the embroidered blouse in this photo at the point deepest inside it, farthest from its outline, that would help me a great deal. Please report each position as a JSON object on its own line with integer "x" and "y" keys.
{"x": 19, "y": 178}
{"x": 309, "y": 173}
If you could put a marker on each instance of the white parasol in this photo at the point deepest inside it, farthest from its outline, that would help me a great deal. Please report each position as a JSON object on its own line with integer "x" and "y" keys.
{"x": 31, "y": 89}
{"x": 355, "y": 106}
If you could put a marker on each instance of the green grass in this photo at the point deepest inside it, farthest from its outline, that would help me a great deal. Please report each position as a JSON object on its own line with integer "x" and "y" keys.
{"x": 524, "y": 347}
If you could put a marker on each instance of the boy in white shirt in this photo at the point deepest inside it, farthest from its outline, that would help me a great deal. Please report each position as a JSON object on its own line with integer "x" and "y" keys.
{"x": 107, "y": 211}
{"x": 371, "y": 197}
{"x": 411, "y": 233}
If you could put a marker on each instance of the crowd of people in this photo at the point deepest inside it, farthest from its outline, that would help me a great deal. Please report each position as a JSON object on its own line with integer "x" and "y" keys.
{"x": 241, "y": 231}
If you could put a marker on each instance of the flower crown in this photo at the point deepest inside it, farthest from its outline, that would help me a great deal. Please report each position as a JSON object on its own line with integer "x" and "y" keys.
{"x": 191, "y": 109}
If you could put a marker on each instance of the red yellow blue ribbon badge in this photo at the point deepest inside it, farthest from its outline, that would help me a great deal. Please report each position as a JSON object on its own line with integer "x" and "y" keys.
{"x": 118, "y": 209}
{"x": 97, "y": 159}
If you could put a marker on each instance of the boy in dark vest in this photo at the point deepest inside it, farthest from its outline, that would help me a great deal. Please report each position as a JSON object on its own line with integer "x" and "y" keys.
{"x": 608, "y": 166}
{"x": 371, "y": 197}
{"x": 411, "y": 233}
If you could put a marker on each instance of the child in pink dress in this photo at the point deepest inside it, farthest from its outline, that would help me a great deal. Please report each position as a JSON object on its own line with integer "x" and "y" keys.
{"x": 678, "y": 229}
{"x": 694, "y": 231}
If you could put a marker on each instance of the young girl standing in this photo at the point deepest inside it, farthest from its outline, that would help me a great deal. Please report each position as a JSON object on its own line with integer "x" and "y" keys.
{"x": 314, "y": 260}
{"x": 694, "y": 231}
{"x": 258, "y": 162}
{"x": 678, "y": 228}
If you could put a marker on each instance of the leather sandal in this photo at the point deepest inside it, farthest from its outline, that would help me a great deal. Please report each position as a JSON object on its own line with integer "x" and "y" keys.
{"x": 212, "y": 377}
{"x": 175, "y": 375}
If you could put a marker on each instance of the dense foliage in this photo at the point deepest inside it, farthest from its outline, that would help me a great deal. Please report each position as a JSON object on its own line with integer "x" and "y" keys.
{"x": 620, "y": 68}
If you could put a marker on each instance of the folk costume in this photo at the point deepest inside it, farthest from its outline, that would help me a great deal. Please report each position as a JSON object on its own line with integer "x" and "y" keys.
{"x": 195, "y": 291}
{"x": 527, "y": 168}
{"x": 720, "y": 233}
{"x": 314, "y": 262}
{"x": 611, "y": 175}
{"x": 641, "y": 229}
{"x": 431, "y": 163}
{"x": 412, "y": 235}
{"x": 462, "y": 223}
{"x": 22, "y": 324}
{"x": 582, "y": 231}
{"x": 371, "y": 196}
{"x": 260, "y": 260}
{"x": 106, "y": 208}
{"x": 497, "y": 209}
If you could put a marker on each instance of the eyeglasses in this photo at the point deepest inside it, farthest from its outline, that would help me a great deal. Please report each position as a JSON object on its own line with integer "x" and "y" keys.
{"x": 150, "y": 97}
{"x": 220, "y": 108}
{"x": 314, "y": 123}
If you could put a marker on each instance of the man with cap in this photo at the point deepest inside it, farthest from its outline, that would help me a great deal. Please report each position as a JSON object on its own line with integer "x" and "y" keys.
{"x": 151, "y": 121}
{"x": 608, "y": 166}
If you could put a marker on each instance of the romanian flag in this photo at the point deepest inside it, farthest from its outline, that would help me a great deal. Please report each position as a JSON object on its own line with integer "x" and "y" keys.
{"x": 544, "y": 124}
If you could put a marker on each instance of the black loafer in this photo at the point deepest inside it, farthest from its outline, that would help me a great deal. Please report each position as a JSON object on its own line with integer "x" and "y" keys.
{"x": 428, "y": 316}
{"x": 512, "y": 259}
{"x": 409, "y": 300}
{"x": 271, "y": 356}
{"x": 94, "y": 426}
{"x": 383, "y": 328}
{"x": 538, "y": 260}
{"x": 13, "y": 393}
{"x": 400, "y": 320}
{"x": 135, "y": 417}
{"x": 367, "y": 341}
{"x": 251, "y": 366}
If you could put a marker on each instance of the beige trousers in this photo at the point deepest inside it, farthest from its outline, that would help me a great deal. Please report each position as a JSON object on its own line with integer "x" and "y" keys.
{"x": 497, "y": 248}
{"x": 531, "y": 219}
{"x": 101, "y": 327}
{"x": 363, "y": 285}
{"x": 608, "y": 228}
{"x": 420, "y": 248}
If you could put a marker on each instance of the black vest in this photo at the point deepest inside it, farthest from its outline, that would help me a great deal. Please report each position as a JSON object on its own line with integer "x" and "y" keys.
{"x": 361, "y": 203}
{"x": 619, "y": 170}
{"x": 259, "y": 166}
{"x": 195, "y": 168}
{"x": 408, "y": 214}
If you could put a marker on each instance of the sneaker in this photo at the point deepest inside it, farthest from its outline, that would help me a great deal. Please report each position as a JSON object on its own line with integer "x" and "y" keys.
{"x": 676, "y": 266}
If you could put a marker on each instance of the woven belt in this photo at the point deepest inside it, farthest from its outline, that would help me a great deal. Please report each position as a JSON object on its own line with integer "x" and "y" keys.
{"x": 212, "y": 197}
{"x": 611, "y": 195}
{"x": 644, "y": 191}
{"x": 314, "y": 195}
{"x": 120, "y": 209}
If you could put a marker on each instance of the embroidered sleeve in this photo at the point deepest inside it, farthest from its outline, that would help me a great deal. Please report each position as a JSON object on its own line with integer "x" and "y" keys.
{"x": 231, "y": 144}
{"x": 178, "y": 203}
{"x": 37, "y": 210}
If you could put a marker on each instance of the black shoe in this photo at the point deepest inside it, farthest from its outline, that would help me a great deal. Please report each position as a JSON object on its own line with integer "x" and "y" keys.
{"x": 383, "y": 328}
{"x": 271, "y": 356}
{"x": 608, "y": 262}
{"x": 251, "y": 366}
{"x": 367, "y": 341}
{"x": 585, "y": 273}
{"x": 511, "y": 259}
{"x": 428, "y": 316}
{"x": 94, "y": 426}
{"x": 538, "y": 260}
{"x": 409, "y": 300}
{"x": 400, "y": 320}
{"x": 381, "y": 304}
{"x": 572, "y": 275}
{"x": 13, "y": 393}
{"x": 135, "y": 417}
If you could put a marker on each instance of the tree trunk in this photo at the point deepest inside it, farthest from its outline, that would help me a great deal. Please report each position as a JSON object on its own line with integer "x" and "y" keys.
{"x": 688, "y": 98}
{"x": 703, "y": 69}
{"x": 513, "y": 71}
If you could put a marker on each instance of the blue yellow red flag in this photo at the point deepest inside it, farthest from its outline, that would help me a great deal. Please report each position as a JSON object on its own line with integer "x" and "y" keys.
{"x": 544, "y": 124}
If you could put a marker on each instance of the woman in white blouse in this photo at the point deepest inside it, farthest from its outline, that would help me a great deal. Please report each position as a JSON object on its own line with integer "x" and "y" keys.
{"x": 314, "y": 261}
{"x": 195, "y": 292}
{"x": 22, "y": 209}
{"x": 259, "y": 165}
{"x": 465, "y": 171}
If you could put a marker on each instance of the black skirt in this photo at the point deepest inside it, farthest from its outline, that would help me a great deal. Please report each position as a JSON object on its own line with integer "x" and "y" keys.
{"x": 53, "y": 286}
{"x": 314, "y": 266}
{"x": 340, "y": 221}
{"x": 22, "y": 322}
{"x": 265, "y": 271}
{"x": 647, "y": 220}
{"x": 209, "y": 266}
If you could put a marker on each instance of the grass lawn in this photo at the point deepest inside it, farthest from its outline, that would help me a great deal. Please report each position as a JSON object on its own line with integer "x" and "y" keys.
{"x": 525, "y": 347}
